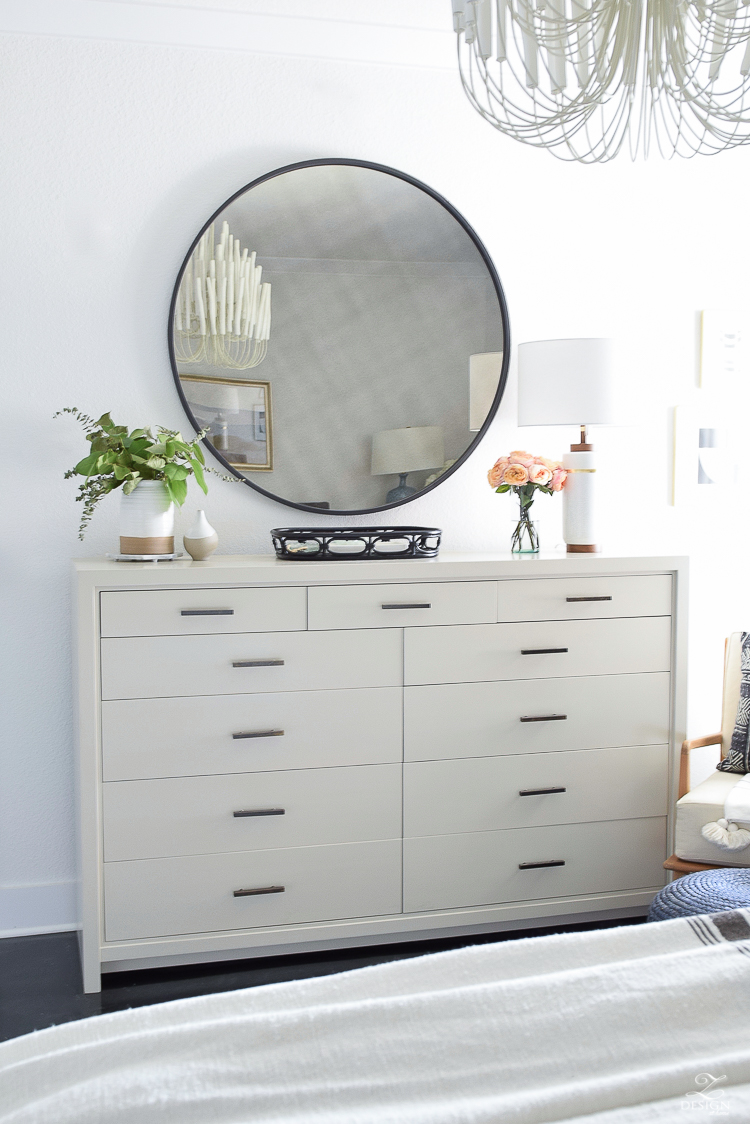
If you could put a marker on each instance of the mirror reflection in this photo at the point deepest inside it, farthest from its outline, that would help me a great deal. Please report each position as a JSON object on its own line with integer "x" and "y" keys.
{"x": 339, "y": 332}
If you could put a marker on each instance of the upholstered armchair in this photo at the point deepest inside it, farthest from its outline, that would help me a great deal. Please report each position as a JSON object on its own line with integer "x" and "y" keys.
{"x": 705, "y": 803}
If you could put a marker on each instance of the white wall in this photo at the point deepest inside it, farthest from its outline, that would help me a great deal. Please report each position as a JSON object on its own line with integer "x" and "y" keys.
{"x": 116, "y": 152}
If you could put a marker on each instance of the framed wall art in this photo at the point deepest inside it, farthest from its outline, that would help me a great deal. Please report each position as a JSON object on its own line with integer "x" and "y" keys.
{"x": 723, "y": 349}
{"x": 708, "y": 453}
{"x": 237, "y": 414}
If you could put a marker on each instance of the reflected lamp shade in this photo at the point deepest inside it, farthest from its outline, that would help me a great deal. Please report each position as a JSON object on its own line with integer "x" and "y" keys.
{"x": 484, "y": 376}
{"x": 570, "y": 382}
{"x": 566, "y": 382}
{"x": 406, "y": 450}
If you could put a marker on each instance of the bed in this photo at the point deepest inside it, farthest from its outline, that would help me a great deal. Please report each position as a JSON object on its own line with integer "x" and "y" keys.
{"x": 613, "y": 1026}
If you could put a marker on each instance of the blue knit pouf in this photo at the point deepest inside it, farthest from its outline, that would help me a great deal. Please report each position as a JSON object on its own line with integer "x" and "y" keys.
{"x": 705, "y": 891}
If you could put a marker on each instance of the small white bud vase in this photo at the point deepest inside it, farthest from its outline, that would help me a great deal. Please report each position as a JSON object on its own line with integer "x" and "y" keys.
{"x": 201, "y": 540}
{"x": 147, "y": 520}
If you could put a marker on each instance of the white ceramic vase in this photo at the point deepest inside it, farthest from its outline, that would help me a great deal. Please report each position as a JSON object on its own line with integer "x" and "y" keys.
{"x": 201, "y": 540}
{"x": 147, "y": 520}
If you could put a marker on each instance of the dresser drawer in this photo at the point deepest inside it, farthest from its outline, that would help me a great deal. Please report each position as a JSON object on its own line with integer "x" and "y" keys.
{"x": 392, "y": 606}
{"x": 491, "y": 793}
{"x": 164, "y": 666}
{"x": 550, "y": 599}
{"x": 537, "y": 650}
{"x": 183, "y": 612}
{"x": 168, "y": 897}
{"x": 242, "y": 733}
{"x": 245, "y": 811}
{"x": 483, "y": 868}
{"x": 535, "y": 715}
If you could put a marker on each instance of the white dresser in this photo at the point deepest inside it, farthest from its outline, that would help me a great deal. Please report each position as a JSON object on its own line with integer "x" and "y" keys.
{"x": 280, "y": 756}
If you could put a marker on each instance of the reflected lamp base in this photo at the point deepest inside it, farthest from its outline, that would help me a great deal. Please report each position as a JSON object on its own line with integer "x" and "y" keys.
{"x": 402, "y": 491}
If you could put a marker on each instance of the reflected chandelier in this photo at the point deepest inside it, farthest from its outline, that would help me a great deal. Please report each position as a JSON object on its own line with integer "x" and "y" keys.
{"x": 586, "y": 78}
{"x": 223, "y": 310}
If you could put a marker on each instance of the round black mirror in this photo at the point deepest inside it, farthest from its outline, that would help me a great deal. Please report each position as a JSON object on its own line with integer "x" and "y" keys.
{"x": 342, "y": 333}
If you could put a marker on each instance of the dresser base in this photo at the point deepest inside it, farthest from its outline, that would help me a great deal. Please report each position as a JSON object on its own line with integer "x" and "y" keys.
{"x": 556, "y": 683}
{"x": 367, "y": 933}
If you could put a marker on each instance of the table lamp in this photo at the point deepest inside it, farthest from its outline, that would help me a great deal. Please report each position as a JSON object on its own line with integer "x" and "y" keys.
{"x": 401, "y": 451}
{"x": 570, "y": 382}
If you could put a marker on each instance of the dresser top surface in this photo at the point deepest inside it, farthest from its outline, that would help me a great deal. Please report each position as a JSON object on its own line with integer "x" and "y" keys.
{"x": 266, "y": 569}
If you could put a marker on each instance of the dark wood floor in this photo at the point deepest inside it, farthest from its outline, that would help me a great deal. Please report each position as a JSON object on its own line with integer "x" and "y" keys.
{"x": 40, "y": 977}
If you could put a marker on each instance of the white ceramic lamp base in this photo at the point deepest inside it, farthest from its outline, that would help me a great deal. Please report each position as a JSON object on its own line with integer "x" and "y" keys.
{"x": 579, "y": 503}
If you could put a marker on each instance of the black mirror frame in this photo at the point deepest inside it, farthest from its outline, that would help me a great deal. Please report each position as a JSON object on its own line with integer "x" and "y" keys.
{"x": 490, "y": 269}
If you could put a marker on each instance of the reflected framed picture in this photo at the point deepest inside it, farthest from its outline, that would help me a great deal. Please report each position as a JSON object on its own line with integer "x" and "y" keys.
{"x": 237, "y": 414}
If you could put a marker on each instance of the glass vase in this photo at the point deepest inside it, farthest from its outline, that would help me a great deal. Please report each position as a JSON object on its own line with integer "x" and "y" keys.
{"x": 525, "y": 538}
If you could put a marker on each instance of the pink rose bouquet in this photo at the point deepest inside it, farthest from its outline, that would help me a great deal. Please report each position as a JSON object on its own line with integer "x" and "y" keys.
{"x": 525, "y": 474}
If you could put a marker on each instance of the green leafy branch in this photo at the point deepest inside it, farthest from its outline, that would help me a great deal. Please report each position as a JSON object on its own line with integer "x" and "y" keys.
{"x": 525, "y": 492}
{"x": 122, "y": 459}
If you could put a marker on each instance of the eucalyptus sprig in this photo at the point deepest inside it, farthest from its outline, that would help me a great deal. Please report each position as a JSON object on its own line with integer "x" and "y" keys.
{"x": 122, "y": 459}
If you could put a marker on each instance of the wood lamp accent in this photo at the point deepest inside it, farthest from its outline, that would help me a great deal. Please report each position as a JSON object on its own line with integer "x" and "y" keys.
{"x": 570, "y": 382}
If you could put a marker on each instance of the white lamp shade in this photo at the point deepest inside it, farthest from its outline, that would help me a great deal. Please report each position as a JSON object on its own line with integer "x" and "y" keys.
{"x": 215, "y": 395}
{"x": 566, "y": 382}
{"x": 484, "y": 375}
{"x": 407, "y": 450}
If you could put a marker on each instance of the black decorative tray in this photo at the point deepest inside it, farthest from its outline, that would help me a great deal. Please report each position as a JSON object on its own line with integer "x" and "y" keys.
{"x": 314, "y": 544}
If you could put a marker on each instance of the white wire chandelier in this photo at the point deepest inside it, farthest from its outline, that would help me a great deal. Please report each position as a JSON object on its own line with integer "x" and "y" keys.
{"x": 587, "y": 78}
{"x": 223, "y": 309}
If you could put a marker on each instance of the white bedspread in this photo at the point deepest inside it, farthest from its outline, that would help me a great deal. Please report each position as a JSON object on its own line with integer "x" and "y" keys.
{"x": 614, "y": 1026}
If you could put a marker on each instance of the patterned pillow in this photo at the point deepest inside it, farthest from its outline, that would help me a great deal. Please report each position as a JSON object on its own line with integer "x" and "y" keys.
{"x": 738, "y": 758}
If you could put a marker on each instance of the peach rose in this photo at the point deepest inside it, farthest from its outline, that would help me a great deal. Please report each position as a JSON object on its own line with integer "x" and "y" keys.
{"x": 496, "y": 473}
{"x": 520, "y": 456}
{"x": 559, "y": 476}
{"x": 515, "y": 474}
{"x": 538, "y": 474}
{"x": 551, "y": 465}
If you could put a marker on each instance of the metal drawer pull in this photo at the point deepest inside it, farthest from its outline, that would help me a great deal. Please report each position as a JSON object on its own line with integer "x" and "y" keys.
{"x": 259, "y": 812}
{"x": 259, "y": 890}
{"x": 262, "y": 734}
{"x": 588, "y": 598}
{"x": 540, "y": 791}
{"x": 206, "y": 612}
{"x": 544, "y": 718}
{"x": 257, "y": 663}
{"x": 535, "y": 866}
{"x": 541, "y": 651}
{"x": 408, "y": 605}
